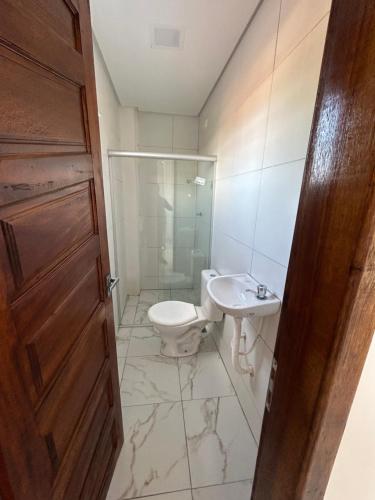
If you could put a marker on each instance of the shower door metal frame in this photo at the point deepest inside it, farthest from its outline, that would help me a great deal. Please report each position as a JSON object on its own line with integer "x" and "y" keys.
{"x": 117, "y": 153}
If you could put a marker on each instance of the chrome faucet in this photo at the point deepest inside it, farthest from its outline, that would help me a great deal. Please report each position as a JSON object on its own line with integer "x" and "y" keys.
{"x": 261, "y": 292}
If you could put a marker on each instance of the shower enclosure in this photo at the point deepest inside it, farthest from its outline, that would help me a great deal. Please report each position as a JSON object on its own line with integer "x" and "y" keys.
{"x": 161, "y": 219}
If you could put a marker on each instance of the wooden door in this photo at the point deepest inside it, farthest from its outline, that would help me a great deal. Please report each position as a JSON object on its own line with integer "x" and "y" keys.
{"x": 60, "y": 413}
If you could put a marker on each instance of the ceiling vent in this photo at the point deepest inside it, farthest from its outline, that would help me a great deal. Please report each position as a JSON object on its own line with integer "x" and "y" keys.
{"x": 166, "y": 38}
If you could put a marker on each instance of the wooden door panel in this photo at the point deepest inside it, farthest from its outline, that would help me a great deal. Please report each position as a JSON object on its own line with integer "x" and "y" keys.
{"x": 32, "y": 310}
{"x": 61, "y": 408}
{"x": 38, "y": 233}
{"x": 49, "y": 346}
{"x": 33, "y": 33}
{"x": 99, "y": 416}
{"x": 38, "y": 106}
{"x": 101, "y": 463}
{"x": 41, "y": 175}
{"x": 61, "y": 16}
{"x": 57, "y": 335}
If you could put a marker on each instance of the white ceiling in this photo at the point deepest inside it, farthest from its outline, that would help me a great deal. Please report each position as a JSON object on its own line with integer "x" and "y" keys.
{"x": 168, "y": 80}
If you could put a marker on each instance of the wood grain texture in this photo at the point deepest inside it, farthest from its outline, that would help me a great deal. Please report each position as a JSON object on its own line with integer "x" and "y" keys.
{"x": 60, "y": 412}
{"x": 328, "y": 315}
{"x": 32, "y": 31}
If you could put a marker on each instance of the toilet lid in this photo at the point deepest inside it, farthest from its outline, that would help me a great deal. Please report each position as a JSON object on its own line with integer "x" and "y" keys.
{"x": 172, "y": 312}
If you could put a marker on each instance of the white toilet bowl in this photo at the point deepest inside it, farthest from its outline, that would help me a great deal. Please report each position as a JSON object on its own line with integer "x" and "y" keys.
{"x": 180, "y": 324}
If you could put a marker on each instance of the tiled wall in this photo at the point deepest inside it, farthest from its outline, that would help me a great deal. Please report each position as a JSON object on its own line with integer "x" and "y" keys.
{"x": 168, "y": 202}
{"x": 108, "y": 108}
{"x": 258, "y": 121}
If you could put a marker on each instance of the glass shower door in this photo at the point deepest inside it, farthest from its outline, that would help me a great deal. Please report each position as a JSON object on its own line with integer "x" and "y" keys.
{"x": 175, "y": 199}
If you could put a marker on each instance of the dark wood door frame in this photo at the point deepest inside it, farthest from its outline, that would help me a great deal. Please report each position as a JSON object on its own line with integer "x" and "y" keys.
{"x": 328, "y": 315}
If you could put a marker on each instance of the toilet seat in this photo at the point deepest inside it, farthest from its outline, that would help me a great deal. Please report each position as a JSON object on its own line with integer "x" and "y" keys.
{"x": 180, "y": 324}
{"x": 172, "y": 313}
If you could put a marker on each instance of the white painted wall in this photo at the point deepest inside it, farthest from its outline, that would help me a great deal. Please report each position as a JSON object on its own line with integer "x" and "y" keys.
{"x": 353, "y": 471}
{"x": 258, "y": 121}
{"x": 108, "y": 108}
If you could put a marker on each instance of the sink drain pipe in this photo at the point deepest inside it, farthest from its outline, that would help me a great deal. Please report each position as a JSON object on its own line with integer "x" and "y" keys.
{"x": 237, "y": 353}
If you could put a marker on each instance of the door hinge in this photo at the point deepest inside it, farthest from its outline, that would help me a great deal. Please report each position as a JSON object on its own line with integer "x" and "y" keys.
{"x": 271, "y": 385}
{"x": 110, "y": 283}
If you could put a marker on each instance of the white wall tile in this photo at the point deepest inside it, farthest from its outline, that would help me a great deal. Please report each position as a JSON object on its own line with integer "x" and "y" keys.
{"x": 269, "y": 328}
{"x": 236, "y": 200}
{"x": 254, "y": 58}
{"x": 227, "y": 144}
{"x": 155, "y": 171}
{"x": 293, "y": 97}
{"x": 185, "y": 132}
{"x": 223, "y": 333}
{"x": 259, "y": 117}
{"x": 269, "y": 272}
{"x": 228, "y": 255}
{"x": 183, "y": 261}
{"x": 297, "y": 19}
{"x": 278, "y": 202}
{"x": 185, "y": 171}
{"x": 261, "y": 360}
{"x": 149, "y": 282}
{"x": 155, "y": 129}
{"x": 252, "y": 121}
{"x": 251, "y": 64}
{"x": 156, "y": 231}
{"x": 157, "y": 199}
{"x": 149, "y": 262}
{"x": 184, "y": 232}
{"x": 184, "y": 200}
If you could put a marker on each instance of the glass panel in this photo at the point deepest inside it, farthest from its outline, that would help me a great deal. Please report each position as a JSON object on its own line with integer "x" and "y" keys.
{"x": 161, "y": 213}
{"x": 175, "y": 198}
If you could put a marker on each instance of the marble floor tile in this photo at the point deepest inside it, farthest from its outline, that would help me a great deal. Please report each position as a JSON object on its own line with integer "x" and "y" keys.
{"x": 151, "y": 297}
{"x": 141, "y": 317}
{"x": 232, "y": 491}
{"x": 154, "y": 458}
{"x": 122, "y": 348}
{"x": 129, "y": 315}
{"x": 120, "y": 366}
{"x": 148, "y": 297}
{"x": 150, "y": 379}
{"x": 123, "y": 333}
{"x": 144, "y": 342}
{"x": 177, "y": 495}
{"x": 220, "y": 445}
{"x": 186, "y": 295}
{"x": 132, "y": 300}
{"x": 204, "y": 376}
{"x": 207, "y": 343}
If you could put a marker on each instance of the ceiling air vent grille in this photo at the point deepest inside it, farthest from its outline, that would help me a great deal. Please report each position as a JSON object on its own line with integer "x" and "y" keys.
{"x": 170, "y": 38}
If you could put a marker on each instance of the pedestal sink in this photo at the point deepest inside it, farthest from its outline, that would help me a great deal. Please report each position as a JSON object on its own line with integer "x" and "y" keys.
{"x": 238, "y": 296}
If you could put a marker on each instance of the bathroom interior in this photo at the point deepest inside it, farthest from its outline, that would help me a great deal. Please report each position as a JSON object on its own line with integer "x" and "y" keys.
{"x": 205, "y": 110}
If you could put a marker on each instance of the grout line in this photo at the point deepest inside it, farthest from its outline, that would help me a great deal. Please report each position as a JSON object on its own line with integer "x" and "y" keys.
{"x": 183, "y": 418}
{"x": 238, "y": 399}
{"x": 261, "y": 169}
{"x": 259, "y": 192}
{"x": 242, "y": 36}
{"x": 276, "y": 66}
{"x": 250, "y": 480}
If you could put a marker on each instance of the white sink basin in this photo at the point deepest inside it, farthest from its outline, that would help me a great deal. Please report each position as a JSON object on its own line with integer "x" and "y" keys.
{"x": 237, "y": 295}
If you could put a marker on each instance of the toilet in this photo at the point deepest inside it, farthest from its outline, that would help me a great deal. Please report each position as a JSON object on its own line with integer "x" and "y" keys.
{"x": 180, "y": 324}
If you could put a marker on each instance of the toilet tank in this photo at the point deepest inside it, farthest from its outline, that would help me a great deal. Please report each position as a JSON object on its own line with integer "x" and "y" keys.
{"x": 210, "y": 310}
